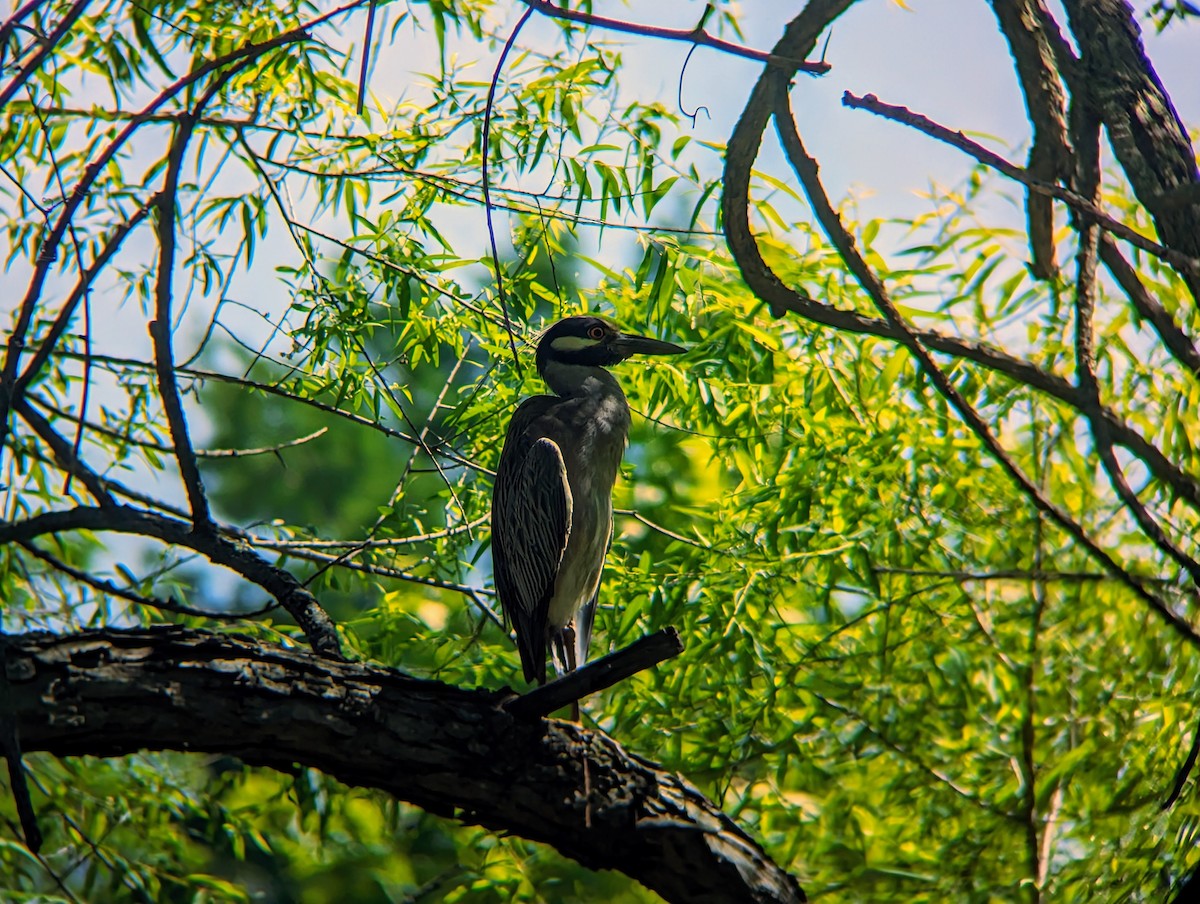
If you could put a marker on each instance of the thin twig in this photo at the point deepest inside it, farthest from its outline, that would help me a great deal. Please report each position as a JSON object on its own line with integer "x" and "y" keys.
{"x": 273, "y": 449}
{"x": 366, "y": 56}
{"x": 66, "y": 312}
{"x": 487, "y": 193}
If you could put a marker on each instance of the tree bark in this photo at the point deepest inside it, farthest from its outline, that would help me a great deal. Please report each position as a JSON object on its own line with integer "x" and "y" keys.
{"x": 449, "y": 750}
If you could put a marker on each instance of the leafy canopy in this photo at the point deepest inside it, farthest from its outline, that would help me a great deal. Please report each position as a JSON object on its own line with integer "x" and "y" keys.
{"x": 898, "y": 675}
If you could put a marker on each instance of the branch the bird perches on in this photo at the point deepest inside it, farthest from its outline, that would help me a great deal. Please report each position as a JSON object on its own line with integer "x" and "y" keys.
{"x": 642, "y": 654}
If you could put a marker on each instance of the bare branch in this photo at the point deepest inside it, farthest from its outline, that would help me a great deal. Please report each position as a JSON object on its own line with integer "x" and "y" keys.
{"x": 590, "y": 678}
{"x": 161, "y": 327}
{"x": 108, "y": 588}
{"x": 236, "y": 556}
{"x": 484, "y": 141}
{"x": 279, "y": 392}
{"x": 92, "y": 426}
{"x": 1184, "y": 263}
{"x": 689, "y": 35}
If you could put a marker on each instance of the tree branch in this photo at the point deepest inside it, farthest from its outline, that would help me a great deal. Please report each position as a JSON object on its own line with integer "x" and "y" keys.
{"x": 1145, "y": 131}
{"x": 124, "y": 519}
{"x": 1174, "y": 339}
{"x": 689, "y": 35}
{"x": 47, "y": 252}
{"x": 446, "y": 749}
{"x": 49, "y": 44}
{"x": 1086, "y": 180}
{"x": 1186, "y": 264}
{"x": 806, "y": 170}
{"x": 743, "y": 150}
{"x": 597, "y": 675}
{"x": 64, "y": 453}
{"x": 1045, "y": 103}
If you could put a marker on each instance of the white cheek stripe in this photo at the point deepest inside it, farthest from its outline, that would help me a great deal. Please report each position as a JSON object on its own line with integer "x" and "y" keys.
{"x": 573, "y": 343}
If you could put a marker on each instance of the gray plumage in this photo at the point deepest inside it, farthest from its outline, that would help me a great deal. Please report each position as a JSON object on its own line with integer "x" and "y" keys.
{"x": 552, "y": 500}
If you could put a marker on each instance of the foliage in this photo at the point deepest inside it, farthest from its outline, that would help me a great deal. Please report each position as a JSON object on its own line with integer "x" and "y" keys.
{"x": 900, "y": 675}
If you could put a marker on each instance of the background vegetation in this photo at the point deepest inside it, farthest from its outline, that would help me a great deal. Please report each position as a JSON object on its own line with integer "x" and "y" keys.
{"x": 910, "y": 675}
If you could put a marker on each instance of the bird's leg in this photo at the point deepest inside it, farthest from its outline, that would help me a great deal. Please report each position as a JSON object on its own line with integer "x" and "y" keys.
{"x": 562, "y": 656}
{"x": 558, "y": 656}
{"x": 568, "y": 642}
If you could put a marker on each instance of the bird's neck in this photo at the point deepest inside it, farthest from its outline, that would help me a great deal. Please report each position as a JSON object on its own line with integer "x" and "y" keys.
{"x": 570, "y": 380}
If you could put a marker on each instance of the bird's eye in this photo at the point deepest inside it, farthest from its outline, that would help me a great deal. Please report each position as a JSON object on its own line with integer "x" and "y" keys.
{"x": 596, "y": 332}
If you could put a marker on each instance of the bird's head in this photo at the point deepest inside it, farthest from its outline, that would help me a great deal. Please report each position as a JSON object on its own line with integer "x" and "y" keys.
{"x": 594, "y": 342}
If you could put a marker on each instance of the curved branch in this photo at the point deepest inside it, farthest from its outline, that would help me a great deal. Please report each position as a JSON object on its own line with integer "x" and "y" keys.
{"x": 743, "y": 150}
{"x": 1184, "y": 263}
{"x": 446, "y": 749}
{"x": 124, "y": 519}
{"x": 806, "y": 169}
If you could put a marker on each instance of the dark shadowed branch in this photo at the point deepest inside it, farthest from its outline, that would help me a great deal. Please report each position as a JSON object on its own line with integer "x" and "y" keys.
{"x": 221, "y": 550}
{"x": 450, "y": 750}
{"x": 696, "y": 35}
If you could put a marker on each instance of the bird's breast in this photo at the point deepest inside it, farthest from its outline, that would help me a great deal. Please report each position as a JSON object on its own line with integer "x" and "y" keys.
{"x": 592, "y": 454}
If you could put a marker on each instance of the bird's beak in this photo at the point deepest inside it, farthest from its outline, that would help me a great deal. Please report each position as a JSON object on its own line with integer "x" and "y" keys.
{"x": 626, "y": 346}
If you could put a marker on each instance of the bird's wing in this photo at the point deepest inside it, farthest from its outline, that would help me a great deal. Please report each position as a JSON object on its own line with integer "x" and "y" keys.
{"x": 531, "y": 521}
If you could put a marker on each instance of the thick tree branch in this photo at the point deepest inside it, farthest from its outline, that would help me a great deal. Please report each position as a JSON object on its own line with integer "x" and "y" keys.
{"x": 451, "y": 751}
{"x": 1149, "y": 139}
{"x": 1045, "y": 102}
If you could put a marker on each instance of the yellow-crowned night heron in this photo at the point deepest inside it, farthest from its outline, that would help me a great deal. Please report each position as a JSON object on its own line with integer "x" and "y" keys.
{"x": 552, "y": 502}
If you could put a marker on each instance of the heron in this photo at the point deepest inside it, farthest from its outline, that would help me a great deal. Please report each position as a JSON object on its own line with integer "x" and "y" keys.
{"x": 552, "y": 499}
